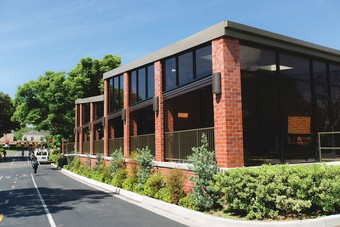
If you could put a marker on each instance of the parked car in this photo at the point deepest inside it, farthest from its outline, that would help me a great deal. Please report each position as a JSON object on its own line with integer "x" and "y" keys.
{"x": 42, "y": 155}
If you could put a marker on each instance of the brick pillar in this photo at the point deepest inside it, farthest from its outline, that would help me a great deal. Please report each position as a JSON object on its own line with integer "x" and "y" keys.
{"x": 159, "y": 115}
{"x": 92, "y": 112}
{"x": 76, "y": 122}
{"x": 228, "y": 104}
{"x": 106, "y": 119}
{"x": 81, "y": 134}
{"x": 127, "y": 121}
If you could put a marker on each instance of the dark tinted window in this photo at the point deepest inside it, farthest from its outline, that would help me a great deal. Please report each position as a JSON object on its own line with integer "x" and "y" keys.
{"x": 203, "y": 62}
{"x": 185, "y": 68}
{"x": 151, "y": 81}
{"x": 141, "y": 84}
{"x": 170, "y": 73}
{"x": 133, "y": 87}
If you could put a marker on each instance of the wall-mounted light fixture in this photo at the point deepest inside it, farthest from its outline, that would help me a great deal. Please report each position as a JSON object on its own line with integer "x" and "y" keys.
{"x": 155, "y": 105}
{"x": 216, "y": 83}
{"x": 123, "y": 114}
{"x": 103, "y": 121}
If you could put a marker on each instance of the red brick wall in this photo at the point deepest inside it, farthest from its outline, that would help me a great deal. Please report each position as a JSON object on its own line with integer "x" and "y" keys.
{"x": 127, "y": 121}
{"x": 92, "y": 134}
{"x": 106, "y": 112}
{"x": 159, "y": 119}
{"x": 228, "y": 104}
{"x": 81, "y": 136}
{"x": 76, "y": 134}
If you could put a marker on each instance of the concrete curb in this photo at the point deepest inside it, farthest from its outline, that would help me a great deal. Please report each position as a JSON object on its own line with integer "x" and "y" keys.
{"x": 204, "y": 219}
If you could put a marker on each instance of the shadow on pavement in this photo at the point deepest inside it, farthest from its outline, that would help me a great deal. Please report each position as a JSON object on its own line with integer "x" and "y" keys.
{"x": 25, "y": 202}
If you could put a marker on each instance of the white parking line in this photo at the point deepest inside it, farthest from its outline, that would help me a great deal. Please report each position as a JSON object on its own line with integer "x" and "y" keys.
{"x": 48, "y": 214}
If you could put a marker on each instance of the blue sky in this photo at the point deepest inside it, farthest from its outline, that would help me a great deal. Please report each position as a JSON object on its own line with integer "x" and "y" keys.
{"x": 41, "y": 35}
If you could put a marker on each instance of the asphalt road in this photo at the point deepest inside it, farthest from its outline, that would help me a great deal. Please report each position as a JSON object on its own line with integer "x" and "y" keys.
{"x": 53, "y": 199}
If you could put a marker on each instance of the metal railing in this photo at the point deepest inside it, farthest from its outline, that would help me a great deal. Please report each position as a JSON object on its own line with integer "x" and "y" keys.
{"x": 68, "y": 147}
{"x": 179, "y": 144}
{"x": 116, "y": 143}
{"x": 86, "y": 147}
{"x": 98, "y": 147}
{"x": 329, "y": 145}
{"x": 142, "y": 141}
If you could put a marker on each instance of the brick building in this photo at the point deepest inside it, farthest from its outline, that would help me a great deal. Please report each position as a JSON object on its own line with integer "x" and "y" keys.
{"x": 260, "y": 97}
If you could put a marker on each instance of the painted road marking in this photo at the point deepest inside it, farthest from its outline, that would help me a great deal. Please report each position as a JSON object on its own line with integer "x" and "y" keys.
{"x": 10, "y": 192}
{"x": 1, "y": 217}
{"x": 1, "y": 177}
{"x": 7, "y": 200}
{"x": 48, "y": 214}
{"x": 13, "y": 186}
{"x": 15, "y": 182}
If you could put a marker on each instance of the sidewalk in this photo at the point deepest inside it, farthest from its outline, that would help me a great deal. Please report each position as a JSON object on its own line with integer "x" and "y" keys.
{"x": 193, "y": 218}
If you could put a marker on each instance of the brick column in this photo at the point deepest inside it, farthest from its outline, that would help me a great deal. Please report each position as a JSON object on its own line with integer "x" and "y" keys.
{"x": 228, "y": 104}
{"x": 127, "y": 121}
{"x": 106, "y": 119}
{"x": 81, "y": 136}
{"x": 159, "y": 115}
{"x": 76, "y": 134}
{"x": 92, "y": 135}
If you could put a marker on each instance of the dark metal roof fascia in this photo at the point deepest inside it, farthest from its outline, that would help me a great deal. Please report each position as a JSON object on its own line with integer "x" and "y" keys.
{"x": 98, "y": 98}
{"x": 201, "y": 37}
{"x": 256, "y": 35}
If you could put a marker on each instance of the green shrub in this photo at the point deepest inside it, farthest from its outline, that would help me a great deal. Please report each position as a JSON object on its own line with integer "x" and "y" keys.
{"x": 153, "y": 185}
{"x": 186, "y": 202}
{"x": 119, "y": 177}
{"x": 175, "y": 181}
{"x": 130, "y": 183}
{"x": 164, "y": 194}
{"x": 144, "y": 166}
{"x": 117, "y": 161}
{"x": 204, "y": 167}
{"x": 269, "y": 191}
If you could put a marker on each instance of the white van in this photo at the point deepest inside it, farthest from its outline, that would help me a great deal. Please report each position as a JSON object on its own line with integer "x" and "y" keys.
{"x": 42, "y": 155}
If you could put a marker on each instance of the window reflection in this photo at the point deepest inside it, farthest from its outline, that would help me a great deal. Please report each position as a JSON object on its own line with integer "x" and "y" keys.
{"x": 151, "y": 81}
{"x": 133, "y": 87}
{"x": 141, "y": 84}
{"x": 260, "y": 104}
{"x": 185, "y": 67}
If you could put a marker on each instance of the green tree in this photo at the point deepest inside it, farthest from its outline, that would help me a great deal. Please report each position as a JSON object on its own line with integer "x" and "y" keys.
{"x": 87, "y": 77}
{"x": 6, "y": 112}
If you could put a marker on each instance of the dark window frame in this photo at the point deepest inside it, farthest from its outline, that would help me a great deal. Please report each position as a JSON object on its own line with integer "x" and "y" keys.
{"x": 194, "y": 70}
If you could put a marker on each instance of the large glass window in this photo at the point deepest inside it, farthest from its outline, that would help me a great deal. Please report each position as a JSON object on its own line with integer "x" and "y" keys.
{"x": 187, "y": 67}
{"x": 203, "y": 62}
{"x": 141, "y": 84}
{"x": 296, "y": 107}
{"x": 170, "y": 73}
{"x": 116, "y": 88}
{"x": 151, "y": 81}
{"x": 133, "y": 87}
{"x": 260, "y": 104}
{"x": 334, "y": 72}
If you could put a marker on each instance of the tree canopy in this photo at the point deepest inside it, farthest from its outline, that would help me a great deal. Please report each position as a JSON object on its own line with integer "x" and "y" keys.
{"x": 6, "y": 112}
{"x": 48, "y": 102}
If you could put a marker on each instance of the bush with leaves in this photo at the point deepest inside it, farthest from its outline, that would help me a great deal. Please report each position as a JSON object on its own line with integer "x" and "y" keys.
{"x": 119, "y": 177}
{"x": 204, "y": 168}
{"x": 144, "y": 166}
{"x": 117, "y": 161}
{"x": 175, "y": 182}
{"x": 269, "y": 191}
{"x": 130, "y": 183}
{"x": 154, "y": 183}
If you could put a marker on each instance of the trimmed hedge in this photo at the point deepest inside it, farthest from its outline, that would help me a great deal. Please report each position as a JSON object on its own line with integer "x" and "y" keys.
{"x": 270, "y": 191}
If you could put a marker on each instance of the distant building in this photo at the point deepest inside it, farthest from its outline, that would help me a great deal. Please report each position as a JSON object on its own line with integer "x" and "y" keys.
{"x": 34, "y": 136}
{"x": 7, "y": 138}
